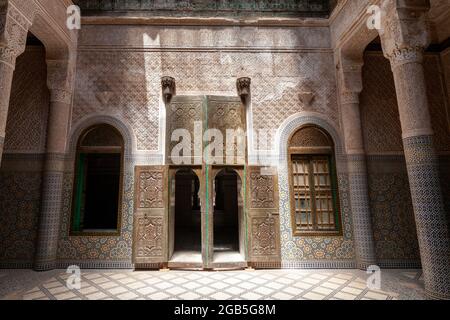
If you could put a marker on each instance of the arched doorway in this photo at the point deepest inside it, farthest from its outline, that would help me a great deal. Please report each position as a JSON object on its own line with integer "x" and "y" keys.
{"x": 186, "y": 217}
{"x": 228, "y": 213}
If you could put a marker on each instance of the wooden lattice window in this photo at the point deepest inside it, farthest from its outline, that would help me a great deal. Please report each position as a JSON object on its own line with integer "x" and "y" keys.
{"x": 313, "y": 185}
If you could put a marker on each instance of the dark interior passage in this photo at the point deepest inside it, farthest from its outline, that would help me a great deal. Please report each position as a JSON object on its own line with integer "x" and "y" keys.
{"x": 101, "y": 190}
{"x": 187, "y": 211}
{"x": 98, "y": 180}
{"x": 226, "y": 212}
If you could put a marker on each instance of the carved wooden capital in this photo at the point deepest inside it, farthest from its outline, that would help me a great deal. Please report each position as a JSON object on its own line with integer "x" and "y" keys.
{"x": 168, "y": 88}
{"x": 404, "y": 35}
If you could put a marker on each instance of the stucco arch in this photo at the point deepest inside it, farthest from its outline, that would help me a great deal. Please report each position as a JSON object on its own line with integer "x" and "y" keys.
{"x": 298, "y": 120}
{"x": 124, "y": 129}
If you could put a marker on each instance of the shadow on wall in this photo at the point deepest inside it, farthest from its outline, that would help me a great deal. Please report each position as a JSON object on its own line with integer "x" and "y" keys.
{"x": 20, "y": 172}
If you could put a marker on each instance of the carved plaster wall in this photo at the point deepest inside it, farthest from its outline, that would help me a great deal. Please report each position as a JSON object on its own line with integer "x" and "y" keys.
{"x": 21, "y": 169}
{"x": 120, "y": 73}
{"x": 29, "y": 102}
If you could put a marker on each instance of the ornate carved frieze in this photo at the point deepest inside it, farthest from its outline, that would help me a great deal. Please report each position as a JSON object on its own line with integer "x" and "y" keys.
{"x": 288, "y": 8}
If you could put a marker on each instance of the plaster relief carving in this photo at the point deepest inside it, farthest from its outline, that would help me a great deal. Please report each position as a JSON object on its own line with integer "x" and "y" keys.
{"x": 13, "y": 33}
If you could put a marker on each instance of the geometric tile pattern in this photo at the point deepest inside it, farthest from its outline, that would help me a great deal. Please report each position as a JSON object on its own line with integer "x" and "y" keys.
{"x": 362, "y": 222}
{"x": 91, "y": 249}
{"x": 19, "y": 213}
{"x": 431, "y": 223}
{"x": 201, "y": 285}
{"x": 394, "y": 226}
{"x": 49, "y": 220}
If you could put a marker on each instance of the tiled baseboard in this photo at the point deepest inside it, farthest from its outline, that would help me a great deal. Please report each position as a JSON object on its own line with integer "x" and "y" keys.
{"x": 385, "y": 264}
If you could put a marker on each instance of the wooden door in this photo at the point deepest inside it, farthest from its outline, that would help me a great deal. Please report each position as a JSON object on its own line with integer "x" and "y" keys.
{"x": 264, "y": 220}
{"x": 150, "y": 245}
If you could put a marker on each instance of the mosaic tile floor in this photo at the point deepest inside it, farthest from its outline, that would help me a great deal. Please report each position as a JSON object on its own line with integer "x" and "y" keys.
{"x": 190, "y": 285}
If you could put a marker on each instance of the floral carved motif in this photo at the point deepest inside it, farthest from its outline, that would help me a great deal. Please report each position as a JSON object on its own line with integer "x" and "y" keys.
{"x": 150, "y": 189}
{"x": 149, "y": 236}
{"x": 309, "y": 137}
{"x": 262, "y": 191}
{"x": 264, "y": 242}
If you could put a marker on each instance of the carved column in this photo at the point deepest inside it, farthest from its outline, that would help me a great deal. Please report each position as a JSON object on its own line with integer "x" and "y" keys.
{"x": 403, "y": 39}
{"x": 13, "y": 35}
{"x": 350, "y": 88}
{"x": 59, "y": 74}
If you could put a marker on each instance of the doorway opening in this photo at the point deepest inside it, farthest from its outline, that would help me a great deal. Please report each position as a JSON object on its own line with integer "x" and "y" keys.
{"x": 187, "y": 218}
{"x": 227, "y": 214}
